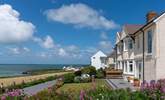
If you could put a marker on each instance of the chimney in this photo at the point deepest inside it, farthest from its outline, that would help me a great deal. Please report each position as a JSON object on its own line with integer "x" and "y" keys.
{"x": 150, "y": 16}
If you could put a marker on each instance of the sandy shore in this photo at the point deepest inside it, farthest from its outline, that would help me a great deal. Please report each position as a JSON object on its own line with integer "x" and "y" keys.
{"x": 19, "y": 80}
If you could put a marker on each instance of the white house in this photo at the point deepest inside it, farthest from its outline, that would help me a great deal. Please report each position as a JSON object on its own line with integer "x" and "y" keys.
{"x": 140, "y": 49}
{"x": 98, "y": 60}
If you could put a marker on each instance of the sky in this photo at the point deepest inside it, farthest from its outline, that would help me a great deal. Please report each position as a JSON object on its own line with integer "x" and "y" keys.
{"x": 65, "y": 31}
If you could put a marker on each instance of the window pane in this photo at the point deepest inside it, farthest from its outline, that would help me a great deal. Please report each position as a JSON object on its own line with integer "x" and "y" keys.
{"x": 130, "y": 44}
{"x": 131, "y": 66}
{"x": 149, "y": 41}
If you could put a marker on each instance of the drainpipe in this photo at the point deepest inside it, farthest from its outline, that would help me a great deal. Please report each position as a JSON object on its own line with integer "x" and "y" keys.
{"x": 143, "y": 51}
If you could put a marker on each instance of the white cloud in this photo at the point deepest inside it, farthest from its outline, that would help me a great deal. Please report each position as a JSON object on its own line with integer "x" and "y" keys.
{"x": 62, "y": 52}
{"x": 47, "y": 42}
{"x": 18, "y": 50}
{"x": 26, "y": 49}
{"x": 12, "y": 29}
{"x": 80, "y": 15}
{"x": 72, "y": 48}
{"x": 105, "y": 44}
{"x": 104, "y": 36}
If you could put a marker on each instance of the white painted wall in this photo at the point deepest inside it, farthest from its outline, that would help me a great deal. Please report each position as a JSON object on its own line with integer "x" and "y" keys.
{"x": 96, "y": 60}
{"x": 160, "y": 48}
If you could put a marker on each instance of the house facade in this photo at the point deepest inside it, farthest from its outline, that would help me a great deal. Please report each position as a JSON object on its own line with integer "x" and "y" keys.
{"x": 98, "y": 60}
{"x": 125, "y": 50}
{"x": 141, "y": 49}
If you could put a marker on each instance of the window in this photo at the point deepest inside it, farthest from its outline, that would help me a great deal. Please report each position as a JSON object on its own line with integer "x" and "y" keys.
{"x": 149, "y": 41}
{"x": 130, "y": 66}
{"x": 125, "y": 45}
{"x": 120, "y": 48}
{"x": 93, "y": 57}
{"x": 130, "y": 44}
{"x": 125, "y": 66}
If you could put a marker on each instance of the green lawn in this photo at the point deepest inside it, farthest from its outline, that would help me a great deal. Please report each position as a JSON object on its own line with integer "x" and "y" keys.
{"x": 75, "y": 88}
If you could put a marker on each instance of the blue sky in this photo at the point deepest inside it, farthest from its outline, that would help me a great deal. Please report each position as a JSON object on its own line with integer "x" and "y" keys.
{"x": 65, "y": 31}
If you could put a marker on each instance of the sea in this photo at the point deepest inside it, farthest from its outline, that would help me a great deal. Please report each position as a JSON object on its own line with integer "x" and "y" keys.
{"x": 7, "y": 70}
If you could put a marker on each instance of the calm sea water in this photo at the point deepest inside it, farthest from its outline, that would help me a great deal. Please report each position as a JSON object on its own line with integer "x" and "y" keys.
{"x": 17, "y": 69}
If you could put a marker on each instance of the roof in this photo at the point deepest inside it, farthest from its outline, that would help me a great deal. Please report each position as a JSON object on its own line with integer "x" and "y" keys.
{"x": 152, "y": 21}
{"x": 132, "y": 28}
{"x": 100, "y": 53}
{"x": 129, "y": 29}
{"x": 112, "y": 54}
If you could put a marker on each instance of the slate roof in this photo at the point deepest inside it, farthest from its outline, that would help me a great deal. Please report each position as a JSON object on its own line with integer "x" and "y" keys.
{"x": 132, "y": 28}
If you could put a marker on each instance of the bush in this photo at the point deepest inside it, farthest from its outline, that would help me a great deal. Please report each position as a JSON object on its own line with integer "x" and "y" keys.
{"x": 80, "y": 79}
{"x": 69, "y": 78}
{"x": 100, "y": 73}
{"x": 78, "y": 73}
{"x": 77, "y": 79}
{"x": 85, "y": 80}
{"x": 89, "y": 70}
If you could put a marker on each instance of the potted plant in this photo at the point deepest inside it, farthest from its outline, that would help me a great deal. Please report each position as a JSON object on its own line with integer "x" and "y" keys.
{"x": 128, "y": 78}
{"x": 136, "y": 82}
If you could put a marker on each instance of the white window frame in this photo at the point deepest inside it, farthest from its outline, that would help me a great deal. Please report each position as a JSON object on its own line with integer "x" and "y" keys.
{"x": 118, "y": 49}
{"x": 131, "y": 72}
{"x": 125, "y": 44}
{"x": 151, "y": 41}
{"x": 125, "y": 67}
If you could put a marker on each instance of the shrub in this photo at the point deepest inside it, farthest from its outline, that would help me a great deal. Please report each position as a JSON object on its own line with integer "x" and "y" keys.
{"x": 78, "y": 73}
{"x": 89, "y": 70}
{"x": 77, "y": 79}
{"x": 85, "y": 80}
{"x": 69, "y": 78}
{"x": 100, "y": 73}
{"x": 80, "y": 79}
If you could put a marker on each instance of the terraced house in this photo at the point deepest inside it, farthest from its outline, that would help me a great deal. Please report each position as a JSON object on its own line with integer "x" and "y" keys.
{"x": 141, "y": 49}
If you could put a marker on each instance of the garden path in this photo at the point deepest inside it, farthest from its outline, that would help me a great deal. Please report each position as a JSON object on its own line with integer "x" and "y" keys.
{"x": 37, "y": 88}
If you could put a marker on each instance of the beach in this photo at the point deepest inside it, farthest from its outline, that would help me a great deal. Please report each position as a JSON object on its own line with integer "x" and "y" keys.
{"x": 18, "y": 80}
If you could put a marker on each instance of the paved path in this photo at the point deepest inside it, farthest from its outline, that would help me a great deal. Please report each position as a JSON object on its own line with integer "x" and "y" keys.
{"x": 37, "y": 88}
{"x": 120, "y": 84}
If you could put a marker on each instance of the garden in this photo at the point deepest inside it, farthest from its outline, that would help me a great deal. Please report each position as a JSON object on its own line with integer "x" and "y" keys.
{"x": 88, "y": 84}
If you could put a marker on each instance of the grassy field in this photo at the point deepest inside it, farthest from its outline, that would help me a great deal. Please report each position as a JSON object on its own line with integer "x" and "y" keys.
{"x": 18, "y": 80}
{"x": 75, "y": 88}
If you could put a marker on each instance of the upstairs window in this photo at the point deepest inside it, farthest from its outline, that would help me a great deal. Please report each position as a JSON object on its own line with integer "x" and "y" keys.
{"x": 125, "y": 45}
{"x": 138, "y": 42}
{"x": 120, "y": 48}
{"x": 130, "y": 44}
{"x": 149, "y": 41}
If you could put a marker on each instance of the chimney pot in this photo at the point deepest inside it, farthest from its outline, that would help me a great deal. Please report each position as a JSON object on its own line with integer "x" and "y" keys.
{"x": 151, "y": 15}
